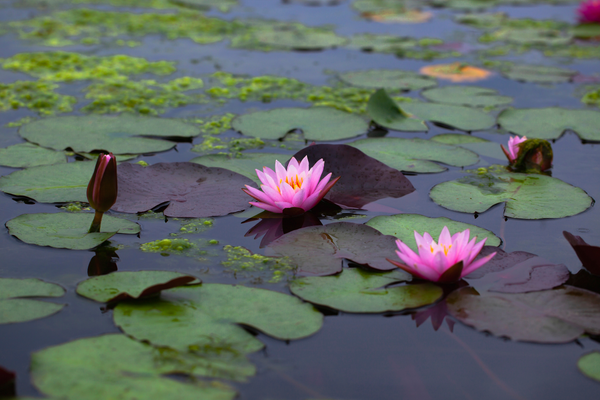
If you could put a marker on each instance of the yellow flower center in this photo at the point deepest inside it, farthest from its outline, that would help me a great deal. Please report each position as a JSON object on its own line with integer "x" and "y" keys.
{"x": 295, "y": 183}
{"x": 446, "y": 249}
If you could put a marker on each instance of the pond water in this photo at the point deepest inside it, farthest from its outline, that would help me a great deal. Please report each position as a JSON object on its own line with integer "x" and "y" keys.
{"x": 353, "y": 356}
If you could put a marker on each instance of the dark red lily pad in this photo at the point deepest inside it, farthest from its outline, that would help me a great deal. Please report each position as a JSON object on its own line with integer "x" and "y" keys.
{"x": 517, "y": 272}
{"x": 588, "y": 255}
{"x": 363, "y": 179}
{"x": 7, "y": 383}
{"x": 192, "y": 190}
{"x": 320, "y": 250}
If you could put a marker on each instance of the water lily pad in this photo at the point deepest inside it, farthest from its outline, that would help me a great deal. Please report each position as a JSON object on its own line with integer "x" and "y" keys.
{"x": 14, "y": 308}
{"x": 388, "y": 79}
{"x": 586, "y": 31}
{"x": 358, "y": 291}
{"x": 412, "y": 155}
{"x": 126, "y": 285}
{"x": 476, "y": 144}
{"x": 300, "y": 39}
{"x": 67, "y": 230}
{"x": 471, "y": 96}
{"x": 551, "y": 316}
{"x": 192, "y": 190}
{"x": 204, "y": 5}
{"x": 320, "y": 250}
{"x": 386, "y": 112}
{"x": 403, "y": 227}
{"x": 589, "y": 365}
{"x": 25, "y": 155}
{"x": 539, "y": 73}
{"x": 357, "y": 171}
{"x": 245, "y": 164}
{"x": 123, "y": 134}
{"x": 526, "y": 196}
{"x": 209, "y": 314}
{"x": 588, "y": 255}
{"x": 117, "y": 367}
{"x": 551, "y": 122}
{"x": 316, "y": 123}
{"x": 456, "y": 72}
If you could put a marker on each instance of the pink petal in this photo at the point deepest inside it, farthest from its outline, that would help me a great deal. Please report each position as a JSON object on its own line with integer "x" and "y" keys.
{"x": 287, "y": 193}
{"x": 445, "y": 238}
{"x": 479, "y": 263}
{"x": 293, "y": 163}
{"x": 267, "y": 207}
{"x": 315, "y": 174}
{"x": 280, "y": 171}
{"x": 257, "y": 194}
{"x": 299, "y": 198}
{"x": 303, "y": 167}
{"x": 272, "y": 193}
{"x": 283, "y": 205}
{"x": 323, "y": 183}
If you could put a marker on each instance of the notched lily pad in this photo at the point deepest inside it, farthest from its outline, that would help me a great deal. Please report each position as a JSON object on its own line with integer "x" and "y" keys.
{"x": 363, "y": 179}
{"x": 192, "y": 190}
{"x": 67, "y": 230}
{"x": 589, "y": 365}
{"x": 245, "y": 164}
{"x": 14, "y": 307}
{"x": 388, "y": 79}
{"x": 527, "y": 196}
{"x": 471, "y": 96}
{"x": 413, "y": 155}
{"x": 123, "y": 134}
{"x": 119, "y": 286}
{"x": 316, "y": 123}
{"x": 550, "y": 316}
{"x": 320, "y": 250}
{"x": 403, "y": 226}
{"x": 25, "y": 155}
{"x": 358, "y": 291}
{"x": 588, "y": 255}
{"x": 539, "y": 73}
{"x": 385, "y": 112}
{"x": 476, "y": 144}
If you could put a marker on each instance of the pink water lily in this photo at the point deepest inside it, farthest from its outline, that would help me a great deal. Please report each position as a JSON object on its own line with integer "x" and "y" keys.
{"x": 589, "y": 12}
{"x": 292, "y": 190}
{"x": 513, "y": 147}
{"x": 447, "y": 261}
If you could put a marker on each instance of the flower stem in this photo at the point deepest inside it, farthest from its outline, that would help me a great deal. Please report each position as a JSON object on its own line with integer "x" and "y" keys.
{"x": 95, "y": 227}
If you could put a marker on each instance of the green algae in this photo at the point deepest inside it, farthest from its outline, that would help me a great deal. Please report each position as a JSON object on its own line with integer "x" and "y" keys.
{"x": 75, "y": 207}
{"x": 193, "y": 226}
{"x": 167, "y": 247}
{"x": 37, "y": 96}
{"x": 227, "y": 146}
{"x": 242, "y": 263}
{"x": 592, "y": 96}
{"x": 214, "y": 124}
{"x": 60, "y": 66}
{"x": 402, "y": 47}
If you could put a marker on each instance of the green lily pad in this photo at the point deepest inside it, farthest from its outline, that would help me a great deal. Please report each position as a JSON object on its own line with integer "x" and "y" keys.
{"x": 388, "y": 79}
{"x": 483, "y": 147}
{"x": 589, "y": 365}
{"x": 25, "y": 155}
{"x": 117, "y": 367}
{"x": 412, "y": 155}
{"x": 245, "y": 164}
{"x": 358, "y": 291}
{"x": 300, "y": 39}
{"x": 532, "y": 36}
{"x": 586, "y": 31}
{"x": 316, "y": 123}
{"x": 67, "y": 230}
{"x": 14, "y": 308}
{"x": 385, "y": 112}
{"x": 204, "y": 5}
{"x": 51, "y": 183}
{"x": 526, "y": 196}
{"x": 472, "y": 96}
{"x": 403, "y": 226}
{"x": 551, "y": 123}
{"x": 123, "y": 134}
{"x": 198, "y": 316}
{"x": 539, "y": 73}
{"x": 131, "y": 285}
{"x": 550, "y": 316}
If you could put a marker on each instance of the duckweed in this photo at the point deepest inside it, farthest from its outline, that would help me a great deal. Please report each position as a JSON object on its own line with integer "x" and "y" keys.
{"x": 241, "y": 261}
{"x": 75, "y": 207}
{"x": 168, "y": 246}
{"x": 38, "y": 96}
{"x": 592, "y": 98}
{"x": 194, "y": 226}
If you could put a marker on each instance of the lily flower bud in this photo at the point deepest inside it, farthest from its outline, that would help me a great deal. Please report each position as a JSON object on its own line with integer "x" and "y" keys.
{"x": 535, "y": 155}
{"x": 102, "y": 189}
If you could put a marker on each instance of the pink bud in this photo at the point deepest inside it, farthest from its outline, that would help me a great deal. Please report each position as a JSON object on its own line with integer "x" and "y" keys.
{"x": 102, "y": 189}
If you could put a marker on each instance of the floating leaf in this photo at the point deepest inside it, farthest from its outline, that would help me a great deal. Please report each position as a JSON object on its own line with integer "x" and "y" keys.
{"x": 358, "y": 291}
{"x": 586, "y": 31}
{"x": 67, "y": 230}
{"x": 539, "y": 73}
{"x": 471, "y": 96}
{"x": 117, "y": 367}
{"x": 588, "y": 255}
{"x": 245, "y": 164}
{"x": 551, "y": 122}
{"x": 411, "y": 155}
{"x": 13, "y": 308}
{"x": 320, "y": 250}
{"x": 408, "y": 16}
{"x": 299, "y": 39}
{"x": 389, "y": 79}
{"x": 25, "y": 155}
{"x": 363, "y": 179}
{"x": 403, "y": 227}
{"x": 205, "y": 5}
{"x": 589, "y": 365}
{"x": 526, "y": 196}
{"x": 456, "y": 72}
{"x": 385, "y": 112}
{"x": 550, "y": 316}
{"x": 120, "y": 286}
{"x": 123, "y": 134}
{"x": 478, "y": 145}
{"x": 207, "y": 315}
{"x": 316, "y": 123}
{"x": 192, "y": 190}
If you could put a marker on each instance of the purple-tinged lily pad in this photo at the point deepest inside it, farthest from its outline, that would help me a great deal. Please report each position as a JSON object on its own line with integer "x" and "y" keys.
{"x": 272, "y": 228}
{"x": 320, "y": 250}
{"x": 120, "y": 286}
{"x": 550, "y": 316}
{"x": 363, "y": 179}
{"x": 517, "y": 272}
{"x": 7, "y": 383}
{"x": 588, "y": 255}
{"x": 193, "y": 190}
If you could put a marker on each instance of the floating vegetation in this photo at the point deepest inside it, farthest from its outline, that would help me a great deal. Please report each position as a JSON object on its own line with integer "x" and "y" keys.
{"x": 242, "y": 263}
{"x": 166, "y": 247}
{"x": 592, "y": 97}
{"x": 193, "y": 226}
{"x": 38, "y": 97}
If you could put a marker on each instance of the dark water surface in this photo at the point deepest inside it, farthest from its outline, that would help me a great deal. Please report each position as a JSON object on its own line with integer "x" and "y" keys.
{"x": 352, "y": 356}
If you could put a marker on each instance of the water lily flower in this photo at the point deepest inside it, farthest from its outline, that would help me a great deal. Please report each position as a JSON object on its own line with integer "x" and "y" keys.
{"x": 513, "y": 148}
{"x": 589, "y": 12}
{"x": 447, "y": 261}
{"x": 292, "y": 190}
{"x": 102, "y": 189}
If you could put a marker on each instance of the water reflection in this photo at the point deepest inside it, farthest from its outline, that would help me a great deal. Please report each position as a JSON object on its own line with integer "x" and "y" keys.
{"x": 104, "y": 261}
{"x": 439, "y": 311}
